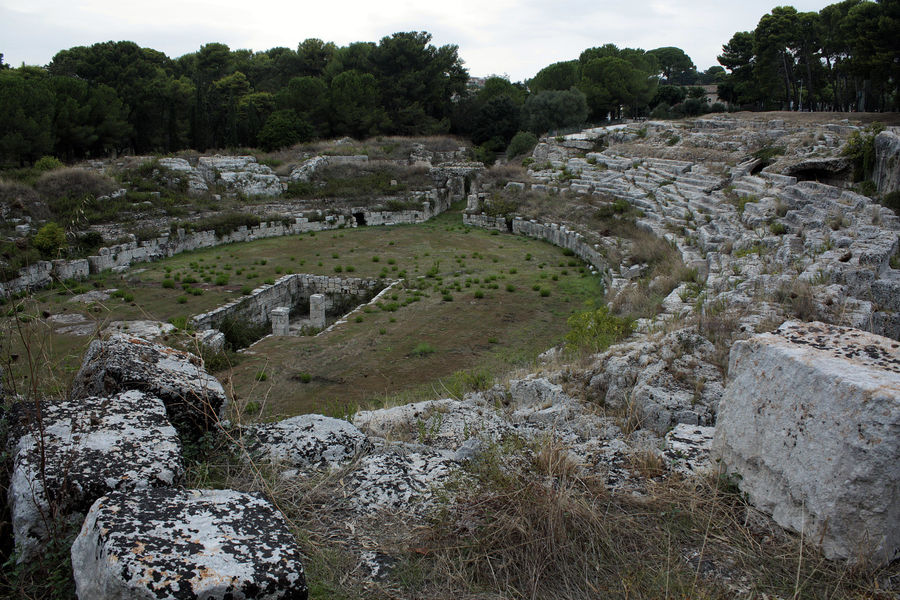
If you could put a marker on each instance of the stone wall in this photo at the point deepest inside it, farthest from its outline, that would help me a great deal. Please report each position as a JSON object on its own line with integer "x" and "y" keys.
{"x": 122, "y": 256}
{"x": 291, "y": 291}
{"x": 558, "y": 235}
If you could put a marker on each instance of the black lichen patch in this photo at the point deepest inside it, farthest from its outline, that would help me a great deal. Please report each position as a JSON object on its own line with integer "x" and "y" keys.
{"x": 845, "y": 343}
{"x": 182, "y": 544}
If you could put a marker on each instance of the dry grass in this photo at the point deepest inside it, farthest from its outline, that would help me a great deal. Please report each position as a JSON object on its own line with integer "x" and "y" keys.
{"x": 73, "y": 183}
{"x": 529, "y": 527}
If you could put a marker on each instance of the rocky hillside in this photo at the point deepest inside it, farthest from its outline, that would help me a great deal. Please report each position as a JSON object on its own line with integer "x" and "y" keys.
{"x": 767, "y": 331}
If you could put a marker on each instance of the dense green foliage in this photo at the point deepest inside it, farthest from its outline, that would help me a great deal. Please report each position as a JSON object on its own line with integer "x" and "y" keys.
{"x": 842, "y": 58}
{"x": 114, "y": 97}
{"x": 596, "y": 330}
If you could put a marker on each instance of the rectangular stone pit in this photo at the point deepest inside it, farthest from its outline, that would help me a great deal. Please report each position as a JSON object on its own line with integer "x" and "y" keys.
{"x": 292, "y": 297}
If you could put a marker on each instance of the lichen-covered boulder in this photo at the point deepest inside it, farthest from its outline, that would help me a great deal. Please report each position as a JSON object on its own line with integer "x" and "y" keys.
{"x": 194, "y": 399}
{"x": 810, "y": 425}
{"x": 88, "y": 448}
{"x": 308, "y": 442}
{"x": 240, "y": 174}
{"x": 182, "y": 544}
{"x": 445, "y": 423}
{"x": 398, "y": 477}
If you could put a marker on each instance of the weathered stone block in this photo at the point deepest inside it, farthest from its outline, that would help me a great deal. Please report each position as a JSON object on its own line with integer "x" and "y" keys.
{"x": 166, "y": 543}
{"x": 317, "y": 304}
{"x": 194, "y": 399}
{"x": 308, "y": 442}
{"x": 88, "y": 447}
{"x": 810, "y": 421}
{"x": 280, "y": 318}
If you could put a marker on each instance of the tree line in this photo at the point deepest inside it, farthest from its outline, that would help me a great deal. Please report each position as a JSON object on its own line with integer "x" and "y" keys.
{"x": 116, "y": 96}
{"x": 846, "y": 57}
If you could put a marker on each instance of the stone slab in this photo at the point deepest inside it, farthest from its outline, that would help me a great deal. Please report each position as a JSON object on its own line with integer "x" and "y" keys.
{"x": 810, "y": 425}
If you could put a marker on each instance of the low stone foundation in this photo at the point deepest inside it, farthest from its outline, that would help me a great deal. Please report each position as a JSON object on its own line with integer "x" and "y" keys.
{"x": 558, "y": 235}
{"x": 294, "y": 293}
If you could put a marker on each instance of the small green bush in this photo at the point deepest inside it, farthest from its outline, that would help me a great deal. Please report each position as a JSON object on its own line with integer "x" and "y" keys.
{"x": 596, "y": 330}
{"x": 423, "y": 349}
{"x": 50, "y": 239}
{"x": 48, "y": 163}
{"x": 521, "y": 143}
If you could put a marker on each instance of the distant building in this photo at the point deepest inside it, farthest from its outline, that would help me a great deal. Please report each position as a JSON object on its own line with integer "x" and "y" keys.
{"x": 711, "y": 93}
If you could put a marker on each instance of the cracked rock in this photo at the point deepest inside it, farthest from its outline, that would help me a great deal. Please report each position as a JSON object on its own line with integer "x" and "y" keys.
{"x": 180, "y": 544}
{"x": 194, "y": 399}
{"x": 90, "y": 446}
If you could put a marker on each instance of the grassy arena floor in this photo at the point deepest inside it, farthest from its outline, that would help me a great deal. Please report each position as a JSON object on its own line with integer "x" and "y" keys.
{"x": 473, "y": 305}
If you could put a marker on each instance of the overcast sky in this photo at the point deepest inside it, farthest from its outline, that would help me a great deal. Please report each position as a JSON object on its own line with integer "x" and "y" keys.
{"x": 512, "y": 37}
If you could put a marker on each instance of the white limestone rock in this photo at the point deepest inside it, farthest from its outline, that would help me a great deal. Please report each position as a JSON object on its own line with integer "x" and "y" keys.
{"x": 241, "y": 174}
{"x": 535, "y": 392}
{"x": 665, "y": 380}
{"x": 441, "y": 423}
{"x": 887, "y": 161}
{"x": 308, "y": 442}
{"x": 810, "y": 422}
{"x": 308, "y": 168}
{"x": 91, "y": 446}
{"x": 140, "y": 328}
{"x": 194, "y": 399}
{"x": 687, "y": 448}
{"x": 398, "y": 477}
{"x": 212, "y": 340}
{"x": 180, "y": 544}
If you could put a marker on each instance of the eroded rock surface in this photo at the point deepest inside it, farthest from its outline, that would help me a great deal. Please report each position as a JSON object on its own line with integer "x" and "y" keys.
{"x": 180, "y": 544}
{"x": 78, "y": 450}
{"x": 810, "y": 422}
{"x": 887, "y": 161}
{"x": 240, "y": 174}
{"x": 308, "y": 442}
{"x": 193, "y": 398}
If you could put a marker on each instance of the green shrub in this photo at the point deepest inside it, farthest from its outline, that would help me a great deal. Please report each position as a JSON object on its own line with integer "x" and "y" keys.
{"x": 423, "y": 349}
{"x": 48, "y": 163}
{"x": 778, "y": 228}
{"x": 49, "y": 240}
{"x": 261, "y": 376}
{"x": 892, "y": 201}
{"x": 521, "y": 143}
{"x": 73, "y": 183}
{"x": 179, "y": 322}
{"x": 860, "y": 148}
{"x": 596, "y": 330}
{"x": 305, "y": 377}
{"x": 240, "y": 333}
